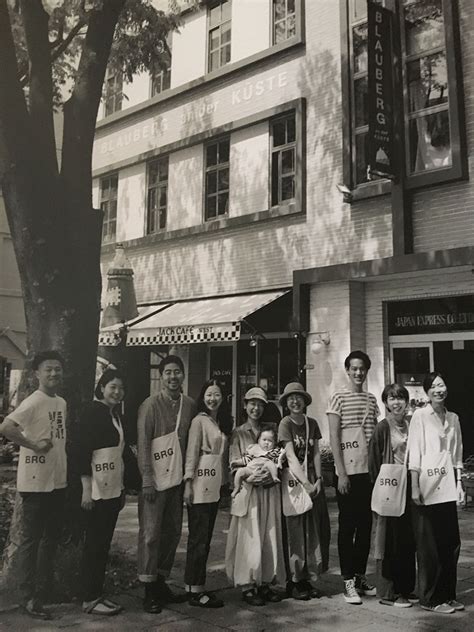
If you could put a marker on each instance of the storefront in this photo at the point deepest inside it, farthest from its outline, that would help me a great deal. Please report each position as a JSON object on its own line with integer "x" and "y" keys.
{"x": 241, "y": 340}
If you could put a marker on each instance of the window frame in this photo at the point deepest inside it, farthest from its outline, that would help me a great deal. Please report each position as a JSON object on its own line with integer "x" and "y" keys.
{"x": 163, "y": 75}
{"x": 273, "y": 41}
{"x": 298, "y": 202}
{"x": 280, "y": 149}
{"x": 458, "y": 169}
{"x": 157, "y": 187}
{"x": 106, "y": 219}
{"x": 215, "y": 168}
{"x": 210, "y": 6}
{"x": 116, "y": 95}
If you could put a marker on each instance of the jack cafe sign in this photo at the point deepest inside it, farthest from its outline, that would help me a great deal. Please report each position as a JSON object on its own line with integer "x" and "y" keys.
{"x": 434, "y": 315}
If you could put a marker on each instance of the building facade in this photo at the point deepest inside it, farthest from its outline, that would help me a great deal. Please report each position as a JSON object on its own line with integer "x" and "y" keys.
{"x": 236, "y": 178}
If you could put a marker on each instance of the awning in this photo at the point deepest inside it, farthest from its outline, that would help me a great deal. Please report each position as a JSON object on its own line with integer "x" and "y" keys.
{"x": 208, "y": 320}
{"x": 110, "y": 336}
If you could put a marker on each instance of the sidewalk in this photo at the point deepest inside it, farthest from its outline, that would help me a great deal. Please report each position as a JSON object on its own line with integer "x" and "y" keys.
{"x": 329, "y": 613}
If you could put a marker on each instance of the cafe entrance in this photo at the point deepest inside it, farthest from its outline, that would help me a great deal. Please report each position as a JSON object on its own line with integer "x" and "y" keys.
{"x": 440, "y": 338}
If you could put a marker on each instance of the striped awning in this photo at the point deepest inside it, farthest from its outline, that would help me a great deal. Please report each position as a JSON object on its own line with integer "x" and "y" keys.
{"x": 111, "y": 336}
{"x": 207, "y": 320}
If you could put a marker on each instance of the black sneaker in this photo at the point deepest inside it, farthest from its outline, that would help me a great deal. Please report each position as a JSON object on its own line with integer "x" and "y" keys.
{"x": 268, "y": 594}
{"x": 253, "y": 597}
{"x": 297, "y": 590}
{"x": 151, "y": 602}
{"x": 34, "y": 609}
{"x": 204, "y": 600}
{"x": 363, "y": 587}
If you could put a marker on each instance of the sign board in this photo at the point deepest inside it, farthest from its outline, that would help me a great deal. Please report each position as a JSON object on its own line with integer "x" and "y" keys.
{"x": 380, "y": 139}
{"x": 434, "y": 315}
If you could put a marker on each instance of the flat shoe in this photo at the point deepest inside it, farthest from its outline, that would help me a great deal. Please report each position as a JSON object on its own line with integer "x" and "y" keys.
{"x": 457, "y": 605}
{"x": 441, "y": 608}
{"x": 204, "y": 600}
{"x": 269, "y": 595}
{"x": 253, "y": 598}
{"x": 98, "y": 606}
{"x": 35, "y": 610}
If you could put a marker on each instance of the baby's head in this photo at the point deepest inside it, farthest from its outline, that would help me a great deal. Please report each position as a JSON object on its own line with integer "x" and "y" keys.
{"x": 267, "y": 437}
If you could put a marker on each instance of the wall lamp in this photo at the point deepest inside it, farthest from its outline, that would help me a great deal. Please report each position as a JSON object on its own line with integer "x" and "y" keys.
{"x": 321, "y": 339}
{"x": 345, "y": 192}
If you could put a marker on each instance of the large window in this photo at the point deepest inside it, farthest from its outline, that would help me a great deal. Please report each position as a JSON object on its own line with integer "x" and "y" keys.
{"x": 108, "y": 205}
{"x": 113, "y": 92}
{"x": 431, "y": 89}
{"x": 283, "y": 140}
{"x": 157, "y": 194}
{"x": 217, "y": 179}
{"x": 284, "y": 20}
{"x": 219, "y": 21}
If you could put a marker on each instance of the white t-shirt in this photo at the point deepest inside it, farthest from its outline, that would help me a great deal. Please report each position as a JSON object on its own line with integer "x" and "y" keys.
{"x": 41, "y": 416}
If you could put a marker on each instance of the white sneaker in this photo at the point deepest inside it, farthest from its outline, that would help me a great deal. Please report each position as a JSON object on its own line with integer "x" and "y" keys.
{"x": 350, "y": 593}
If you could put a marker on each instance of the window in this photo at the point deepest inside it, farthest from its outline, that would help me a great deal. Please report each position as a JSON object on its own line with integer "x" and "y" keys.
{"x": 160, "y": 81}
{"x": 283, "y": 165}
{"x": 219, "y": 24}
{"x": 108, "y": 205}
{"x": 432, "y": 112}
{"x": 217, "y": 179}
{"x": 161, "y": 75}
{"x": 284, "y": 20}
{"x": 157, "y": 195}
{"x": 113, "y": 92}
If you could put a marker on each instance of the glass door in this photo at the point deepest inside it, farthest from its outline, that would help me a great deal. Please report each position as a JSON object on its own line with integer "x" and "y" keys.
{"x": 409, "y": 363}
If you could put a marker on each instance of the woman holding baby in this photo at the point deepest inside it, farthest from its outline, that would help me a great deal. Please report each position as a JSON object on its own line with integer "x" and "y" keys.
{"x": 254, "y": 552}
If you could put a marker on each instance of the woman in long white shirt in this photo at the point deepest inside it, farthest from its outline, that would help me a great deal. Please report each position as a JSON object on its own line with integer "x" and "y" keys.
{"x": 435, "y": 450}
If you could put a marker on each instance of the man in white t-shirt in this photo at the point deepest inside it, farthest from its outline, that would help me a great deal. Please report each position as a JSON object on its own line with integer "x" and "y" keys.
{"x": 352, "y": 415}
{"x": 38, "y": 426}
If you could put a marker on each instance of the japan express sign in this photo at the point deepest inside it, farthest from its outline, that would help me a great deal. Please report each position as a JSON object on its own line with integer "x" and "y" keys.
{"x": 431, "y": 316}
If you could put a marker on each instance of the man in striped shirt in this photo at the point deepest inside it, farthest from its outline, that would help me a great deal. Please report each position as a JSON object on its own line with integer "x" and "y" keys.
{"x": 352, "y": 416}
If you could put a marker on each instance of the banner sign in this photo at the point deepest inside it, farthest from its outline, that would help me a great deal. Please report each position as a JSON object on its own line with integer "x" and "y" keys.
{"x": 436, "y": 315}
{"x": 380, "y": 139}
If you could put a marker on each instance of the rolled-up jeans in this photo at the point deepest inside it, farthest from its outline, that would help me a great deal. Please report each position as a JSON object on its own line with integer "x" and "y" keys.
{"x": 160, "y": 523}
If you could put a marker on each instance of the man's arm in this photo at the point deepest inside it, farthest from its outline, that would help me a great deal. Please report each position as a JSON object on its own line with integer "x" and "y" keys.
{"x": 343, "y": 483}
{"x": 12, "y": 431}
{"x": 145, "y": 428}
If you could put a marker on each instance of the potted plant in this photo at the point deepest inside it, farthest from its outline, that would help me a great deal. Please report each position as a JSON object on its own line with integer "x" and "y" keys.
{"x": 327, "y": 464}
{"x": 7, "y": 451}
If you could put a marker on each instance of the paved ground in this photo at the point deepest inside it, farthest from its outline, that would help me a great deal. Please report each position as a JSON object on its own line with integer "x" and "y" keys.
{"x": 329, "y": 613}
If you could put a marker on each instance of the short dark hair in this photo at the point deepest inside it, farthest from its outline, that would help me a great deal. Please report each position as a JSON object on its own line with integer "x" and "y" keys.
{"x": 107, "y": 376}
{"x": 224, "y": 417}
{"x": 430, "y": 378}
{"x": 357, "y": 355}
{"x": 395, "y": 390}
{"x": 48, "y": 354}
{"x": 268, "y": 428}
{"x": 171, "y": 359}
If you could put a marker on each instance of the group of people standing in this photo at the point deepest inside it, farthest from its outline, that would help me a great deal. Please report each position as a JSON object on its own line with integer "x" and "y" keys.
{"x": 279, "y": 529}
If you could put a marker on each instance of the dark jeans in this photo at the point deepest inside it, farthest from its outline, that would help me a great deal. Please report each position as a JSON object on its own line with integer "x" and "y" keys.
{"x": 396, "y": 573}
{"x": 201, "y": 520}
{"x": 437, "y": 549}
{"x": 42, "y": 521}
{"x": 100, "y": 525}
{"x": 355, "y": 524}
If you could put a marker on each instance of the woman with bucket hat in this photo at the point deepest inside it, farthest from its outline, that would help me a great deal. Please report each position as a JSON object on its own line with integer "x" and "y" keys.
{"x": 254, "y": 551}
{"x": 304, "y": 500}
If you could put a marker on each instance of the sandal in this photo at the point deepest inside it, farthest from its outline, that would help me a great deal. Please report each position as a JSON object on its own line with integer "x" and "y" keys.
{"x": 100, "y": 606}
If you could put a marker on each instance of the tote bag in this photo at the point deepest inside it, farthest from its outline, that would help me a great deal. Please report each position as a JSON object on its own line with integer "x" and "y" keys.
{"x": 167, "y": 459}
{"x": 390, "y": 490}
{"x": 295, "y": 499}
{"x": 437, "y": 482}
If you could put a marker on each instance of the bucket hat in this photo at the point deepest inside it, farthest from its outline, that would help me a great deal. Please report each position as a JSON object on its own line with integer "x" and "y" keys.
{"x": 295, "y": 388}
{"x": 256, "y": 393}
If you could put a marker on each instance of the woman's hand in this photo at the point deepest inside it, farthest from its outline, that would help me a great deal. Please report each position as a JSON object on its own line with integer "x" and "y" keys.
{"x": 86, "y": 503}
{"x": 262, "y": 477}
{"x": 188, "y": 493}
{"x": 416, "y": 496}
{"x": 461, "y": 494}
{"x": 317, "y": 488}
{"x": 149, "y": 493}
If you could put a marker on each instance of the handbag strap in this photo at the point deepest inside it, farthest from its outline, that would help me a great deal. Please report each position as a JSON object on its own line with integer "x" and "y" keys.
{"x": 305, "y": 462}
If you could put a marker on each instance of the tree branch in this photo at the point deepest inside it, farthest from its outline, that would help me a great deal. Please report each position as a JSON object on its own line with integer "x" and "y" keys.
{"x": 35, "y": 22}
{"x": 80, "y": 111}
{"x": 61, "y": 46}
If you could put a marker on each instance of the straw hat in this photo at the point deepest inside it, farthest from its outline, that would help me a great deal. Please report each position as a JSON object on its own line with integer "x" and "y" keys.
{"x": 256, "y": 393}
{"x": 295, "y": 388}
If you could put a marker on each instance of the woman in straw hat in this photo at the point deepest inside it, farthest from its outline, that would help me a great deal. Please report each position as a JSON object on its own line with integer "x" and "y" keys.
{"x": 254, "y": 551}
{"x": 308, "y": 533}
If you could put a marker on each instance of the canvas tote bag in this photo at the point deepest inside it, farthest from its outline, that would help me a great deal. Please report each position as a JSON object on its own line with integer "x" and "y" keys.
{"x": 437, "y": 481}
{"x": 390, "y": 490}
{"x": 166, "y": 458}
{"x": 295, "y": 499}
